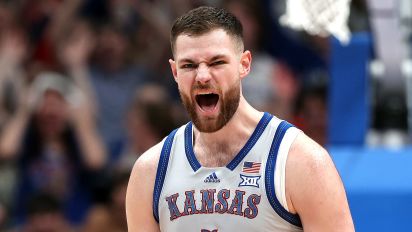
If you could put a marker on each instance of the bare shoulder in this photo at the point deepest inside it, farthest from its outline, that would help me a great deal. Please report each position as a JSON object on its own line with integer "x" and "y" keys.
{"x": 314, "y": 189}
{"x": 144, "y": 169}
{"x": 305, "y": 154}
{"x": 139, "y": 196}
{"x": 147, "y": 162}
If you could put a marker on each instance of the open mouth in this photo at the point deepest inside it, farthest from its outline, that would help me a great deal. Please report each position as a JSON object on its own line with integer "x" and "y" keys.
{"x": 207, "y": 102}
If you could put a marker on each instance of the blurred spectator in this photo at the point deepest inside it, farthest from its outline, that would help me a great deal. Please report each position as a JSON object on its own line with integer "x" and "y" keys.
{"x": 111, "y": 216}
{"x": 57, "y": 147}
{"x": 74, "y": 51}
{"x": 45, "y": 214}
{"x": 109, "y": 81}
{"x": 151, "y": 117}
{"x": 271, "y": 86}
{"x": 46, "y": 21}
{"x": 311, "y": 113}
{"x": 13, "y": 54}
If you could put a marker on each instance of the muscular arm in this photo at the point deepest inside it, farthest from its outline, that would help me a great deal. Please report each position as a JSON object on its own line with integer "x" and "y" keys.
{"x": 139, "y": 197}
{"x": 314, "y": 189}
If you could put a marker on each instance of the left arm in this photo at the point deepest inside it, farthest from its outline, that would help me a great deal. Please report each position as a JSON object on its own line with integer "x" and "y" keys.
{"x": 91, "y": 145}
{"x": 314, "y": 189}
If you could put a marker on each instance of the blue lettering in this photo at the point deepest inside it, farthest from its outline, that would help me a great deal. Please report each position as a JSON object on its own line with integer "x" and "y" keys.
{"x": 222, "y": 205}
{"x": 174, "y": 210}
{"x": 252, "y": 210}
{"x": 190, "y": 203}
{"x": 209, "y": 205}
{"x": 208, "y": 200}
{"x": 237, "y": 202}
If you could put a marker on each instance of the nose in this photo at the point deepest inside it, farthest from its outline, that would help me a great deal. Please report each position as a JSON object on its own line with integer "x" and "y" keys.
{"x": 203, "y": 73}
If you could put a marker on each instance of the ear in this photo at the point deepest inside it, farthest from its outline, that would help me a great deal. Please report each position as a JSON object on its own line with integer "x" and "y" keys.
{"x": 173, "y": 68}
{"x": 245, "y": 64}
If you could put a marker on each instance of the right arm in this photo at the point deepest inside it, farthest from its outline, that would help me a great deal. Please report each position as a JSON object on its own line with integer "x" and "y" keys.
{"x": 12, "y": 55}
{"x": 139, "y": 196}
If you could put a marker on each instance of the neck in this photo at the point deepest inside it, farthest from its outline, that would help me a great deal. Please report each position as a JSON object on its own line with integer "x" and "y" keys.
{"x": 230, "y": 139}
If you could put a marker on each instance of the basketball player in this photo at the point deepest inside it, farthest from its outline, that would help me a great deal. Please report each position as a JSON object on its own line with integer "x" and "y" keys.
{"x": 232, "y": 168}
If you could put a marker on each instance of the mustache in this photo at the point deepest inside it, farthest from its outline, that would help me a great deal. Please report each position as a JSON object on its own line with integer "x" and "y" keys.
{"x": 200, "y": 86}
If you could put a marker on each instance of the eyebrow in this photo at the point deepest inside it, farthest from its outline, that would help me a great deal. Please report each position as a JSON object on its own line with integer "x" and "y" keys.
{"x": 185, "y": 60}
{"x": 216, "y": 57}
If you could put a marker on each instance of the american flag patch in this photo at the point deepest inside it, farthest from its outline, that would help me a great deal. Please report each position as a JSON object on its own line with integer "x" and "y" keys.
{"x": 251, "y": 167}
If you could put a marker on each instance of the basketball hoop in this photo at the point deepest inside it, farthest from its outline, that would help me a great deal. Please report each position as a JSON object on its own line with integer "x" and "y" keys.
{"x": 318, "y": 17}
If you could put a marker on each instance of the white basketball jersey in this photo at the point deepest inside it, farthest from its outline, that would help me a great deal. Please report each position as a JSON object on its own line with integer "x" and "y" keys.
{"x": 238, "y": 197}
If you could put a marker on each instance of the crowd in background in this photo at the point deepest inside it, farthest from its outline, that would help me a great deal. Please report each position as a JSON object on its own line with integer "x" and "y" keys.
{"x": 85, "y": 88}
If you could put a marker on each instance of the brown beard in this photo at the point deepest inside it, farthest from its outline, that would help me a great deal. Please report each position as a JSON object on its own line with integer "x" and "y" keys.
{"x": 229, "y": 104}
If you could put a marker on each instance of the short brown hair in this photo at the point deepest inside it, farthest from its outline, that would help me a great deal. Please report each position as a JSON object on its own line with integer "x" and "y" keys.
{"x": 205, "y": 19}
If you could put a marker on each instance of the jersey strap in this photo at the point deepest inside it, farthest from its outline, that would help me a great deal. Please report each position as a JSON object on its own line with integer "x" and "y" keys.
{"x": 161, "y": 172}
{"x": 191, "y": 157}
{"x": 264, "y": 121}
{"x": 270, "y": 173}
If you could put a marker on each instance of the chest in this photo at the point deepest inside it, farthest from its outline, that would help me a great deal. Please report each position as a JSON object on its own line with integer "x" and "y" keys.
{"x": 216, "y": 155}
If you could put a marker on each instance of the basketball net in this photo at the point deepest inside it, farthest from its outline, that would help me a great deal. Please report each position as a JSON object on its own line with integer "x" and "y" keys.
{"x": 318, "y": 17}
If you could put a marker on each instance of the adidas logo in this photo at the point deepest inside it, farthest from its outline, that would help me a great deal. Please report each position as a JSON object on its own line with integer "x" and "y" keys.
{"x": 212, "y": 178}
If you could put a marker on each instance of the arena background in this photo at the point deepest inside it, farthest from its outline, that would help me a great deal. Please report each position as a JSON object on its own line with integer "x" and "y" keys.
{"x": 85, "y": 88}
